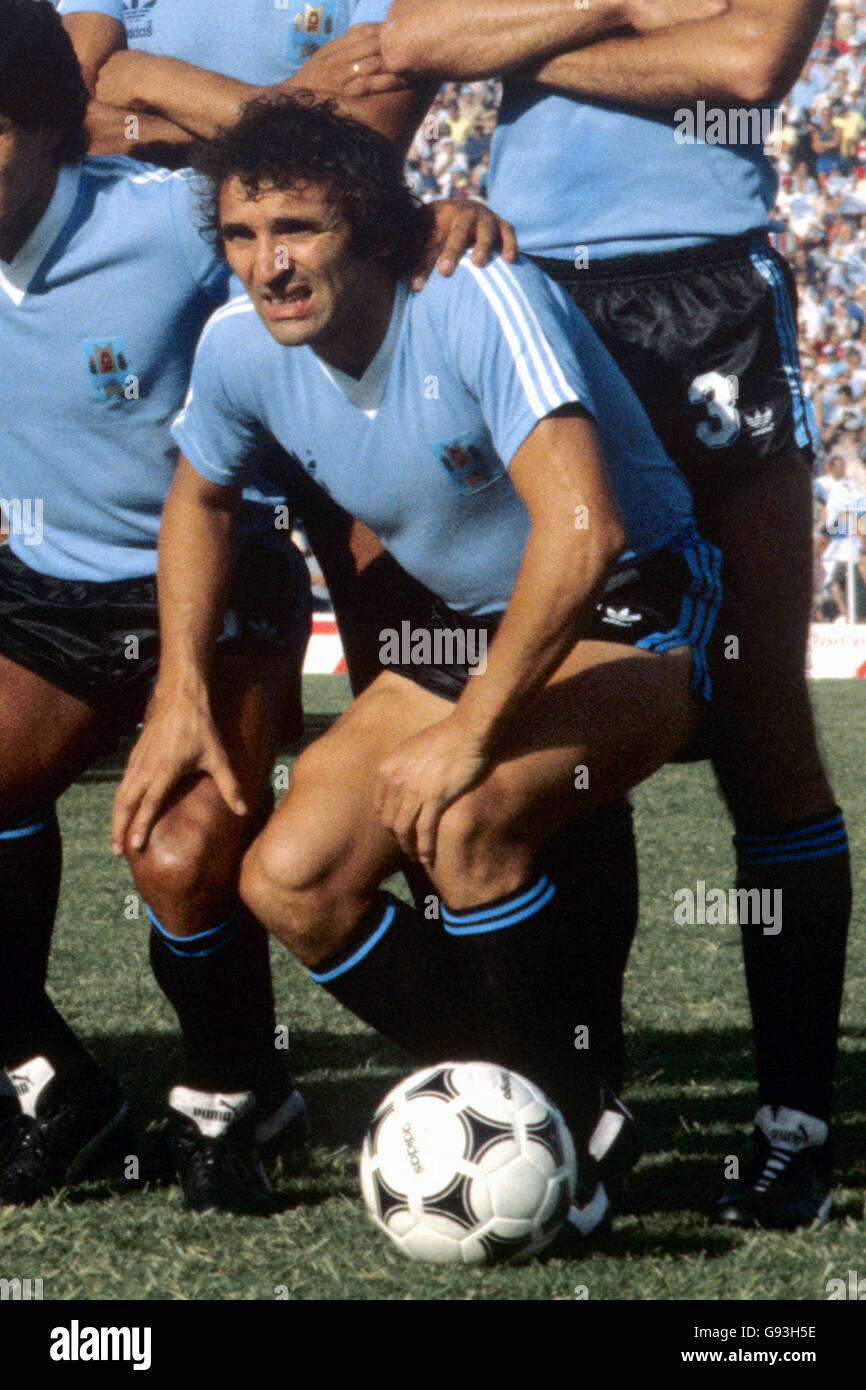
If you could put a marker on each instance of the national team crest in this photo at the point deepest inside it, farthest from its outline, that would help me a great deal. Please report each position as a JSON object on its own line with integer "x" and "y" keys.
{"x": 470, "y": 463}
{"x": 107, "y": 367}
{"x": 312, "y": 26}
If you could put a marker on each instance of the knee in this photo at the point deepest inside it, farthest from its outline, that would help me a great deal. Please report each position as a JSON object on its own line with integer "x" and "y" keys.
{"x": 295, "y": 897}
{"x": 185, "y": 874}
{"x": 479, "y": 853}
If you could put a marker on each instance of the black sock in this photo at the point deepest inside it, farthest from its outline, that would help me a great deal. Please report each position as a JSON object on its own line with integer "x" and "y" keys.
{"x": 219, "y": 984}
{"x": 30, "y": 1026}
{"x": 511, "y": 950}
{"x": 795, "y": 975}
{"x": 398, "y": 973}
{"x": 594, "y": 860}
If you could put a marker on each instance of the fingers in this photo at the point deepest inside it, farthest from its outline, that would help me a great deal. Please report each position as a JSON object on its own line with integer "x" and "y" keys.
{"x": 152, "y": 797}
{"x": 228, "y": 786}
{"x": 461, "y": 235}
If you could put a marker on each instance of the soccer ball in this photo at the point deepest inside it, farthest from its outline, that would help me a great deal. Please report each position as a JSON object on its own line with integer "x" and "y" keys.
{"x": 467, "y": 1163}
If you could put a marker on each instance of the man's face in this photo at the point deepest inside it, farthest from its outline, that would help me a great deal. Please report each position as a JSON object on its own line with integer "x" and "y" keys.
{"x": 27, "y": 172}
{"x": 290, "y": 249}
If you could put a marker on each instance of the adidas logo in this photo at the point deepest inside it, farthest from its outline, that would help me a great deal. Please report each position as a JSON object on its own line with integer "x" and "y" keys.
{"x": 761, "y": 421}
{"x": 621, "y": 617}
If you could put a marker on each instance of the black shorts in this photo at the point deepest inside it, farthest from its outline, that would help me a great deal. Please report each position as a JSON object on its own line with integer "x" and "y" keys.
{"x": 669, "y": 599}
{"x": 100, "y": 641}
{"x": 708, "y": 339}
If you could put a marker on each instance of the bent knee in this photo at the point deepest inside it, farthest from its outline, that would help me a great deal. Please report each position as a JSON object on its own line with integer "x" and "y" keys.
{"x": 297, "y": 897}
{"x": 185, "y": 872}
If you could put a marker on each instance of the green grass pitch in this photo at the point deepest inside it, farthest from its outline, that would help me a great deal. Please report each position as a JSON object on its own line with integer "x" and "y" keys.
{"x": 690, "y": 1084}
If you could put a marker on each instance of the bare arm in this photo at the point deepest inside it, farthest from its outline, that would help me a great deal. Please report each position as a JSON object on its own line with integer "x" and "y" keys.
{"x": 94, "y": 37}
{"x": 753, "y": 53}
{"x": 200, "y": 101}
{"x": 441, "y": 38}
{"x": 557, "y": 468}
{"x": 196, "y": 552}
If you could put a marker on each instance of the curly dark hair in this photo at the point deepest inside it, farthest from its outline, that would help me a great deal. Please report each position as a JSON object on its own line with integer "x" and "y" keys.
{"x": 41, "y": 87}
{"x": 281, "y": 142}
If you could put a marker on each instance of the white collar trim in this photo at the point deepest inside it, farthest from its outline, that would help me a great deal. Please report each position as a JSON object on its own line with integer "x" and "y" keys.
{"x": 16, "y": 275}
{"x": 368, "y": 393}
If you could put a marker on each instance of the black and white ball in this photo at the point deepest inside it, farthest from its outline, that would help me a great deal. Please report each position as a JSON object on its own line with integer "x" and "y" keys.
{"x": 467, "y": 1163}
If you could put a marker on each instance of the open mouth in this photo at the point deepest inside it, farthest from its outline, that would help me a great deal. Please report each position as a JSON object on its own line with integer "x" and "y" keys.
{"x": 291, "y": 303}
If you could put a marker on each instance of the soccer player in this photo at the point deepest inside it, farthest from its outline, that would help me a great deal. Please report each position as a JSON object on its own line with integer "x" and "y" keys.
{"x": 626, "y": 174}
{"x": 106, "y": 283}
{"x": 183, "y": 78}
{"x": 500, "y": 465}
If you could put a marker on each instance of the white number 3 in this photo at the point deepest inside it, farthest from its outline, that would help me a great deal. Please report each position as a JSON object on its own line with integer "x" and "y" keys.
{"x": 719, "y": 394}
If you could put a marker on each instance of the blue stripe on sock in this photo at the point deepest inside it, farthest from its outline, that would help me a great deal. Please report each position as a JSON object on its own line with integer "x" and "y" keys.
{"x": 786, "y": 836}
{"x": 781, "y": 857}
{"x": 31, "y": 826}
{"x": 524, "y": 897}
{"x": 362, "y": 951}
{"x": 216, "y": 937}
{"x": 506, "y": 914}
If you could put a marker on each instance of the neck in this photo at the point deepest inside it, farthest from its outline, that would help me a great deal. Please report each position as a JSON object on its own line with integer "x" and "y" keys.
{"x": 356, "y": 342}
{"x": 15, "y": 231}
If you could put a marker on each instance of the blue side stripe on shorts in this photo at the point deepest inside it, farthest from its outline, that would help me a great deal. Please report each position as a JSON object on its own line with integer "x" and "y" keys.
{"x": 698, "y": 610}
{"x": 787, "y": 329}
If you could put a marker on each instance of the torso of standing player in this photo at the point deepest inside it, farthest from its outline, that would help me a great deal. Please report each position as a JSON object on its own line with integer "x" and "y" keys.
{"x": 260, "y": 41}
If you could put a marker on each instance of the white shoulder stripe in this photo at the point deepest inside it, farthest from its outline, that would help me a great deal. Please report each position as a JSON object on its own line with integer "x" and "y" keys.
{"x": 240, "y": 305}
{"x": 504, "y": 269}
{"x": 523, "y": 333}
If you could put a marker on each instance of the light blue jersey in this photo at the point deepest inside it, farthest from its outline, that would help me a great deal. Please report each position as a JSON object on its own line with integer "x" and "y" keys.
{"x": 419, "y": 448}
{"x": 259, "y": 41}
{"x": 572, "y": 173}
{"x": 99, "y": 316}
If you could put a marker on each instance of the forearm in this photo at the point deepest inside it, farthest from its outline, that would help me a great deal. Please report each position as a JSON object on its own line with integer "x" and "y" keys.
{"x": 196, "y": 554}
{"x": 440, "y": 39}
{"x": 112, "y": 131}
{"x": 753, "y": 53}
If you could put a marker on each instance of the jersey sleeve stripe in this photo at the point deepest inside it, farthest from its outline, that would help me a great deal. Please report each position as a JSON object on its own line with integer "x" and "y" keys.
{"x": 529, "y": 332}
{"x": 504, "y": 269}
{"x": 538, "y": 386}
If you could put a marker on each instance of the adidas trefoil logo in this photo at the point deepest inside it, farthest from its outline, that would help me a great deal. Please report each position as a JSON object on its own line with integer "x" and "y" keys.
{"x": 620, "y": 617}
{"x": 760, "y": 421}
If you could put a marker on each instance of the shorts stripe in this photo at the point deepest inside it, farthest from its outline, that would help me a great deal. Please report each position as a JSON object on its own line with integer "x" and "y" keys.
{"x": 698, "y": 611}
{"x": 787, "y": 330}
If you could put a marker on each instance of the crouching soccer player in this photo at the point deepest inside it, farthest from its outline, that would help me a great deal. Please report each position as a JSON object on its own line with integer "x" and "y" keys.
{"x": 104, "y": 287}
{"x": 104, "y": 277}
{"x": 517, "y": 478}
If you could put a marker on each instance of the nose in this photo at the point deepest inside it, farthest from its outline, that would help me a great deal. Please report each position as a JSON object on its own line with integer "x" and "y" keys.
{"x": 272, "y": 259}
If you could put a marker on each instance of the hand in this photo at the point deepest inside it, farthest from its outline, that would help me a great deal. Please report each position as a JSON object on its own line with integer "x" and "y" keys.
{"x": 179, "y": 738}
{"x": 119, "y": 81}
{"x": 351, "y": 65}
{"x": 646, "y": 15}
{"x": 457, "y": 225}
{"x": 423, "y": 777}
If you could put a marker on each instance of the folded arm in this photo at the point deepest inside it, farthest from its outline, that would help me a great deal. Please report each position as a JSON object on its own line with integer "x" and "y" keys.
{"x": 441, "y": 38}
{"x": 753, "y": 53}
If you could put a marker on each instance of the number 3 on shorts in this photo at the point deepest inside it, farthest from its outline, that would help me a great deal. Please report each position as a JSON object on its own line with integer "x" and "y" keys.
{"x": 719, "y": 395}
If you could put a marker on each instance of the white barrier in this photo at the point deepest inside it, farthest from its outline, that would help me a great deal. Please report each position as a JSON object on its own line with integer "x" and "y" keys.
{"x": 836, "y": 651}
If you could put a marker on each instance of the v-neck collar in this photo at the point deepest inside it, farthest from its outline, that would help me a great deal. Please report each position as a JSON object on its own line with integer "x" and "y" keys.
{"x": 16, "y": 275}
{"x": 367, "y": 393}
